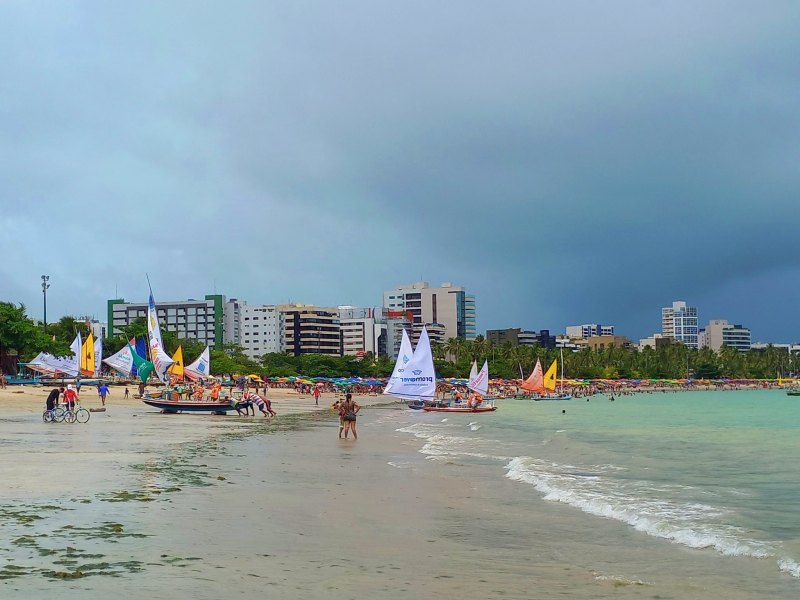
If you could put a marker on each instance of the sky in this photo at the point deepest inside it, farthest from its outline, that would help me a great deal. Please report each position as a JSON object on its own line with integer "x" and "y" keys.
{"x": 566, "y": 162}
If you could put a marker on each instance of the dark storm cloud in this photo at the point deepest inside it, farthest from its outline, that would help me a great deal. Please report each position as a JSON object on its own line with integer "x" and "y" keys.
{"x": 567, "y": 163}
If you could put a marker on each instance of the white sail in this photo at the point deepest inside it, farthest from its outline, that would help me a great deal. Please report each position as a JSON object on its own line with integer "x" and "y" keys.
{"x": 76, "y": 347}
{"x": 59, "y": 365}
{"x": 122, "y": 361}
{"x": 473, "y": 372}
{"x": 199, "y": 368}
{"x": 418, "y": 379}
{"x": 480, "y": 383}
{"x": 160, "y": 359}
{"x": 403, "y": 358}
{"x": 98, "y": 355}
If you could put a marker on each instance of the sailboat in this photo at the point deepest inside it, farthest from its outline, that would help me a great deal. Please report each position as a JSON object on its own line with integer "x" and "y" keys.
{"x": 161, "y": 364}
{"x": 413, "y": 378}
{"x": 542, "y": 386}
{"x": 478, "y": 383}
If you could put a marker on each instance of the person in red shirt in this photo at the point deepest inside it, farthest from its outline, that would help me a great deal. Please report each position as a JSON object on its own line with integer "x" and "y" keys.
{"x": 70, "y": 397}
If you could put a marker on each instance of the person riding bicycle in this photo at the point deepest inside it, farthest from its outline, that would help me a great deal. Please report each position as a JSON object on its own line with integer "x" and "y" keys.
{"x": 70, "y": 397}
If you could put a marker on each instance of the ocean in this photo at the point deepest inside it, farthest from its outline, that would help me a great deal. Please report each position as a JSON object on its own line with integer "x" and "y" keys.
{"x": 679, "y": 495}
{"x": 717, "y": 473}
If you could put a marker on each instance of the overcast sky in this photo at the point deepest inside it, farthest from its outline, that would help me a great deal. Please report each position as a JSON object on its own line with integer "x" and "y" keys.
{"x": 566, "y": 162}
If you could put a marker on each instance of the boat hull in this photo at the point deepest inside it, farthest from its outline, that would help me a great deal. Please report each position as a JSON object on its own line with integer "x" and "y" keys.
{"x": 453, "y": 409}
{"x": 176, "y": 406}
{"x": 793, "y": 393}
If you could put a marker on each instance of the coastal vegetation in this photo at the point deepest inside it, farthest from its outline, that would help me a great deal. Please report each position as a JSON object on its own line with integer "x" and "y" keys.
{"x": 21, "y": 339}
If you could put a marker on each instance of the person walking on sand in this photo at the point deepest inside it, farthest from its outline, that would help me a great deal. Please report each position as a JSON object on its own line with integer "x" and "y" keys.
{"x": 317, "y": 394}
{"x": 351, "y": 408}
{"x": 127, "y": 393}
{"x": 102, "y": 391}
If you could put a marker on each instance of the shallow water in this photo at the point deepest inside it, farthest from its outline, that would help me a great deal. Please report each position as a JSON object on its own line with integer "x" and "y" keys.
{"x": 670, "y": 496}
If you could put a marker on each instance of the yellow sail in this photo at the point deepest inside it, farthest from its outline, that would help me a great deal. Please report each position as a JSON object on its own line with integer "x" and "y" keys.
{"x": 176, "y": 370}
{"x": 87, "y": 356}
{"x": 550, "y": 377}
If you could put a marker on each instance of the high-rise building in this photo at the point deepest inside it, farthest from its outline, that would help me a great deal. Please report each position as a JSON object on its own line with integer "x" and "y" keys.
{"x": 360, "y": 329}
{"x": 309, "y": 329}
{"x": 680, "y": 323}
{"x": 201, "y": 320}
{"x": 720, "y": 333}
{"x": 261, "y": 329}
{"x": 448, "y": 305}
{"x": 584, "y": 332}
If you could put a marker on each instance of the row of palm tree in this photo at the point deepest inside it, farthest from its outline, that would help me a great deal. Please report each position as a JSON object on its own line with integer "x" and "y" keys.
{"x": 674, "y": 361}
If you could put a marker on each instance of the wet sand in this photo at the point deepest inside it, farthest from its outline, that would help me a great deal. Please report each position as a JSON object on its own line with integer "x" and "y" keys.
{"x": 136, "y": 504}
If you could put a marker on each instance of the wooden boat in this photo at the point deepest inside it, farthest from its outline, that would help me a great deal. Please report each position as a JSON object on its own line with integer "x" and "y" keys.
{"x": 459, "y": 409}
{"x": 177, "y": 406}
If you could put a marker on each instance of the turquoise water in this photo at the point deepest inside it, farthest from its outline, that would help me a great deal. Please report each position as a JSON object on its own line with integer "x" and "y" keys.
{"x": 716, "y": 471}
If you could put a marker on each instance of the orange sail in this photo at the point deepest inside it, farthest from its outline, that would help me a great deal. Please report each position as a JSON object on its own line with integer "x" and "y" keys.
{"x": 535, "y": 383}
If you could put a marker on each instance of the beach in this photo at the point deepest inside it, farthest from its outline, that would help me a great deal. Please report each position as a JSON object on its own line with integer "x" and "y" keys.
{"x": 135, "y": 503}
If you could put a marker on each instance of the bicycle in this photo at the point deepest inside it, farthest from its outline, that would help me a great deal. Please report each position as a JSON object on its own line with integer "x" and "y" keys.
{"x": 55, "y": 415}
{"x": 82, "y": 415}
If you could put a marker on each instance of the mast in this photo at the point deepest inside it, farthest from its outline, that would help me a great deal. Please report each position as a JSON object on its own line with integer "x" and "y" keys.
{"x": 561, "y": 391}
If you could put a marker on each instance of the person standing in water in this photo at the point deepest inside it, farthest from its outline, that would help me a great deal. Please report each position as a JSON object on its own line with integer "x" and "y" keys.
{"x": 351, "y": 408}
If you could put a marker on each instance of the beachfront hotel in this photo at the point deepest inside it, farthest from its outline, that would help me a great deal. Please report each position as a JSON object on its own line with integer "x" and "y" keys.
{"x": 679, "y": 322}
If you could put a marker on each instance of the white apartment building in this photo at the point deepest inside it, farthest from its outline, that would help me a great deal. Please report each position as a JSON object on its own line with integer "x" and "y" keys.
{"x": 719, "y": 332}
{"x": 587, "y": 330}
{"x": 448, "y": 305}
{"x": 261, "y": 329}
{"x": 679, "y": 322}
{"x": 361, "y": 331}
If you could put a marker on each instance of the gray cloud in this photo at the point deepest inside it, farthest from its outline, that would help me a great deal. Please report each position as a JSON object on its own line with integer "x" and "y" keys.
{"x": 570, "y": 163}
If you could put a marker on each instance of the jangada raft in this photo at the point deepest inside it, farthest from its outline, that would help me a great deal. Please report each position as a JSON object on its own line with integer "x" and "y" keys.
{"x": 414, "y": 379}
{"x": 177, "y": 406}
{"x": 459, "y": 409}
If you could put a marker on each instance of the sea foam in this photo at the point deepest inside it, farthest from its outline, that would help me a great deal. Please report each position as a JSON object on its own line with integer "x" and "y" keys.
{"x": 689, "y": 524}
